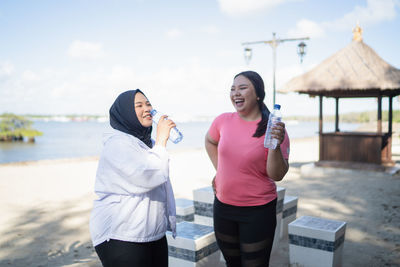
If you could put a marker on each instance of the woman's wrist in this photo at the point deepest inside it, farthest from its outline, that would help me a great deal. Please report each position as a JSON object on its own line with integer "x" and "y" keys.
{"x": 277, "y": 148}
{"x": 161, "y": 142}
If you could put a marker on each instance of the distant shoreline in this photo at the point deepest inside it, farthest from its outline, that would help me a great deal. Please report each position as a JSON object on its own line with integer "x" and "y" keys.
{"x": 363, "y": 127}
{"x": 367, "y": 116}
{"x": 92, "y": 158}
{"x": 49, "y": 161}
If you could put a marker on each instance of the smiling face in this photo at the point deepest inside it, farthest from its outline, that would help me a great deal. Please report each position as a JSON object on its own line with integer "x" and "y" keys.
{"x": 142, "y": 109}
{"x": 243, "y": 96}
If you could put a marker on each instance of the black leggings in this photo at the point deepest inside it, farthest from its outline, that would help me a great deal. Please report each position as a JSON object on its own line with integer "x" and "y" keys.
{"x": 245, "y": 234}
{"x": 116, "y": 253}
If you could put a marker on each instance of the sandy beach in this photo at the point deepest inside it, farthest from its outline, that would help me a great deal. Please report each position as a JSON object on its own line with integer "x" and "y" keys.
{"x": 46, "y": 206}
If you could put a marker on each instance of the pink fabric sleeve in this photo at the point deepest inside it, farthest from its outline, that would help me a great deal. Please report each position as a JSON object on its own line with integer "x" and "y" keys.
{"x": 214, "y": 130}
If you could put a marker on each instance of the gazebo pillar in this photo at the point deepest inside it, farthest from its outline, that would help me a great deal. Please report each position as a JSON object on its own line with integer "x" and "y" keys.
{"x": 320, "y": 114}
{"x": 380, "y": 114}
{"x": 387, "y": 137}
{"x": 321, "y": 144}
{"x": 390, "y": 115}
{"x": 337, "y": 115}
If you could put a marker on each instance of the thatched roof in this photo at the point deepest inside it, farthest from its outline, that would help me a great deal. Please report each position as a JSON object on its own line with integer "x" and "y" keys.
{"x": 354, "y": 71}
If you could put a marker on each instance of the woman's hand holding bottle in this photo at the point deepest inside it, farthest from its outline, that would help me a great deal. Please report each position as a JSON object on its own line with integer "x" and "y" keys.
{"x": 278, "y": 132}
{"x": 174, "y": 134}
{"x": 164, "y": 126}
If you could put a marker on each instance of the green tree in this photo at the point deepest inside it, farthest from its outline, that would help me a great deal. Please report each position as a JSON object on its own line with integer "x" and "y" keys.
{"x": 15, "y": 128}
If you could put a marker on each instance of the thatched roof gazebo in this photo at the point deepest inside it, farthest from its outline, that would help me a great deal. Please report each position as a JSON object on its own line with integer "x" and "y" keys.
{"x": 354, "y": 71}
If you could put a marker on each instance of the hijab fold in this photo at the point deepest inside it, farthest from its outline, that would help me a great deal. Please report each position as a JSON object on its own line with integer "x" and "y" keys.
{"x": 123, "y": 117}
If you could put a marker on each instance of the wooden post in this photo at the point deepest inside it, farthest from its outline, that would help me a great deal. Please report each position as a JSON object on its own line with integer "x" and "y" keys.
{"x": 390, "y": 114}
{"x": 389, "y": 141}
{"x": 320, "y": 114}
{"x": 321, "y": 147}
{"x": 337, "y": 115}
{"x": 379, "y": 114}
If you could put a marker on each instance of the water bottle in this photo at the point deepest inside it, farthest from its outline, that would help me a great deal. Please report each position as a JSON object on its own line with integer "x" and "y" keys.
{"x": 174, "y": 135}
{"x": 274, "y": 117}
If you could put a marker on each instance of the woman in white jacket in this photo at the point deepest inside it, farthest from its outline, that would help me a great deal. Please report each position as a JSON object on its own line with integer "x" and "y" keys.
{"x": 135, "y": 205}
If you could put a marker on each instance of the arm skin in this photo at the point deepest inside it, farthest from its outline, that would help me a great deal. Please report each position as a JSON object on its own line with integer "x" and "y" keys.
{"x": 277, "y": 166}
{"x": 212, "y": 150}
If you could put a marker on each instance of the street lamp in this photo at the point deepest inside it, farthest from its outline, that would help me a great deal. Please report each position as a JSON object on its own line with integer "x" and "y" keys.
{"x": 274, "y": 44}
{"x": 247, "y": 55}
{"x": 301, "y": 50}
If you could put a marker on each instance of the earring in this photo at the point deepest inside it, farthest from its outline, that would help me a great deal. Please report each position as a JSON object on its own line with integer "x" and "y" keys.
{"x": 258, "y": 98}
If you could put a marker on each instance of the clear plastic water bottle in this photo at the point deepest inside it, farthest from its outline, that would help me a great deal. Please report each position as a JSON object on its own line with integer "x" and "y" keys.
{"x": 174, "y": 135}
{"x": 274, "y": 117}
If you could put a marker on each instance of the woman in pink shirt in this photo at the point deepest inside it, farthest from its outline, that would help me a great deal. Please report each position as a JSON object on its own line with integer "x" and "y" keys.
{"x": 245, "y": 202}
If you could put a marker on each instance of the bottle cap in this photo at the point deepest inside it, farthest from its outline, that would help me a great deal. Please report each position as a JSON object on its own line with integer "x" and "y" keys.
{"x": 153, "y": 112}
{"x": 277, "y": 106}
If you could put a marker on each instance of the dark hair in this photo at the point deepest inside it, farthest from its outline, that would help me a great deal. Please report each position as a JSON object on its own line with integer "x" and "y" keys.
{"x": 258, "y": 84}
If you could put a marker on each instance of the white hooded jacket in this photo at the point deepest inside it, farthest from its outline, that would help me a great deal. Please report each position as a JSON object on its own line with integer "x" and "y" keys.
{"x": 136, "y": 201}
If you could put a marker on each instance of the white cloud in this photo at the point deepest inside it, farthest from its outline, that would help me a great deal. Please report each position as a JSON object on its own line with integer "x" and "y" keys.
{"x": 173, "y": 33}
{"x": 189, "y": 90}
{"x": 184, "y": 92}
{"x": 6, "y": 69}
{"x": 193, "y": 89}
{"x": 30, "y": 76}
{"x": 59, "y": 91}
{"x": 308, "y": 28}
{"x": 374, "y": 12}
{"x": 121, "y": 75}
{"x": 210, "y": 29}
{"x": 85, "y": 50}
{"x": 247, "y": 7}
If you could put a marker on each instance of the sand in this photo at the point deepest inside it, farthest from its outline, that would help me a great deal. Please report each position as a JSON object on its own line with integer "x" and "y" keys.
{"x": 45, "y": 206}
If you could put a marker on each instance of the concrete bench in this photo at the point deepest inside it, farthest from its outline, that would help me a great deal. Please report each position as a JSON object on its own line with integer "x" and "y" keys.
{"x": 203, "y": 199}
{"x": 184, "y": 210}
{"x": 288, "y": 214}
{"x": 316, "y": 242}
{"x": 279, "y": 210}
{"x": 194, "y": 246}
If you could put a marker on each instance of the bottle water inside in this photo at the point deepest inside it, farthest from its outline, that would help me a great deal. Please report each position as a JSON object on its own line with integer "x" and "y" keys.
{"x": 174, "y": 135}
{"x": 274, "y": 117}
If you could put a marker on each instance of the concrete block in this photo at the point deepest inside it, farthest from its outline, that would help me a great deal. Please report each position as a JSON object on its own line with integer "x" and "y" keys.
{"x": 316, "y": 242}
{"x": 288, "y": 214}
{"x": 203, "y": 199}
{"x": 194, "y": 246}
{"x": 279, "y": 210}
{"x": 184, "y": 210}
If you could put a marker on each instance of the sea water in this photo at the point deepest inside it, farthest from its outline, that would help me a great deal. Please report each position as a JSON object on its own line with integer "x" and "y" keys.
{"x": 84, "y": 139}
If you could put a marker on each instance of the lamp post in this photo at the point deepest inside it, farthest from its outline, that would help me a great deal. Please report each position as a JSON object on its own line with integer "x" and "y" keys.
{"x": 247, "y": 55}
{"x": 274, "y": 44}
{"x": 301, "y": 50}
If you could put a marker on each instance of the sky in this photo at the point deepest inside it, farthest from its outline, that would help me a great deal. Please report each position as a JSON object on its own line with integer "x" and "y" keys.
{"x": 76, "y": 56}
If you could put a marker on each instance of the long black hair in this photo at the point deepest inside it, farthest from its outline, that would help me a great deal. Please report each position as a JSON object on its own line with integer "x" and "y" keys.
{"x": 258, "y": 84}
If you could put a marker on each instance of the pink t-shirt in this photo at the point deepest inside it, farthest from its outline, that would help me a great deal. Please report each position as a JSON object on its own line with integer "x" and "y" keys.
{"x": 241, "y": 174}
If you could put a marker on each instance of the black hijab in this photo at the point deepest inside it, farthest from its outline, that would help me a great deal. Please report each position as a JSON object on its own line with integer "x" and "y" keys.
{"x": 123, "y": 117}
